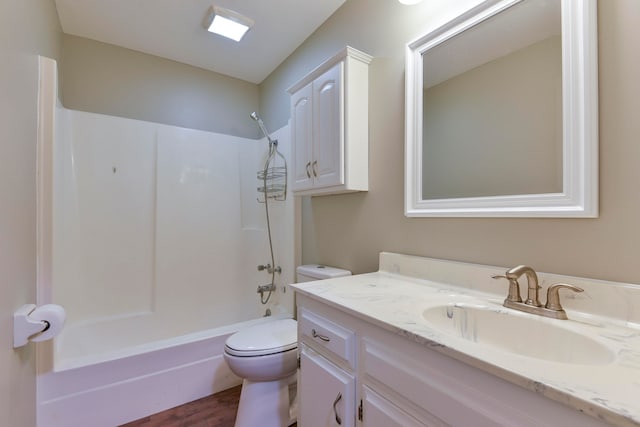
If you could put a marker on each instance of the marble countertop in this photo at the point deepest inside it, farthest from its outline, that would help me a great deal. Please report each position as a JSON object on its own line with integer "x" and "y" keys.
{"x": 396, "y": 296}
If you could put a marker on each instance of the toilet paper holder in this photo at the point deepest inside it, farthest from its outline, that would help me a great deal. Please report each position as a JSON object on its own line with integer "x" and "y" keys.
{"x": 32, "y": 323}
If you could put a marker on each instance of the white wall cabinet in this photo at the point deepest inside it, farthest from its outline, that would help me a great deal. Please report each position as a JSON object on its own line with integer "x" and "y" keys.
{"x": 329, "y": 126}
{"x": 399, "y": 382}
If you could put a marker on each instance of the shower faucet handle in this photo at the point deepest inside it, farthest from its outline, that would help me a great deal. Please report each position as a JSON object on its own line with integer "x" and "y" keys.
{"x": 270, "y": 269}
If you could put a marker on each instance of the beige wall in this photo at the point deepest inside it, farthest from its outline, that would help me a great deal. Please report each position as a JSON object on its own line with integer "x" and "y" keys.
{"x": 107, "y": 79}
{"x": 27, "y": 28}
{"x": 350, "y": 230}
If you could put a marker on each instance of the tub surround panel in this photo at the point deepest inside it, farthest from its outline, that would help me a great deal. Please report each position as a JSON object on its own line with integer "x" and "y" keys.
{"x": 104, "y": 174}
{"x": 395, "y": 297}
{"x": 148, "y": 193}
{"x": 198, "y": 239}
{"x": 139, "y": 235}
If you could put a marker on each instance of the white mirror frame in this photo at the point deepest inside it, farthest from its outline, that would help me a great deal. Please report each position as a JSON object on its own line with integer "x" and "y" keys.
{"x": 580, "y": 123}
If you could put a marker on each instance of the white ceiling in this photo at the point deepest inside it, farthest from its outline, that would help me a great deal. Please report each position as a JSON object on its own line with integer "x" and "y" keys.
{"x": 174, "y": 29}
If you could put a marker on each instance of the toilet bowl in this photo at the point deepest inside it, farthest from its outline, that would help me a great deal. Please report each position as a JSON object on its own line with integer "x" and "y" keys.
{"x": 266, "y": 357}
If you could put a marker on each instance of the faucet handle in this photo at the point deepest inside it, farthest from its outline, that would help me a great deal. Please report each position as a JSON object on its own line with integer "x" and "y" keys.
{"x": 514, "y": 288}
{"x": 553, "y": 297}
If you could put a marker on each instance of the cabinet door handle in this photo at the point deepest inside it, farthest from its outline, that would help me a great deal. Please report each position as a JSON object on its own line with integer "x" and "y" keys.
{"x": 314, "y": 168}
{"x": 335, "y": 411}
{"x": 307, "y": 168}
{"x": 317, "y": 335}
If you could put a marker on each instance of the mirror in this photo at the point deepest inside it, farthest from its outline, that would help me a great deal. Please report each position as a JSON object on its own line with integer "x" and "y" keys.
{"x": 501, "y": 113}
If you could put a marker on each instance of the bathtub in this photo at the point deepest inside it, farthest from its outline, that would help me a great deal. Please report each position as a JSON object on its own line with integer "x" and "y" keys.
{"x": 113, "y": 387}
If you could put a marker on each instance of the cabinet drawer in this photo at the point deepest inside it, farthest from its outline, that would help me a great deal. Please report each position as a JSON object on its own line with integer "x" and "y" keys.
{"x": 327, "y": 337}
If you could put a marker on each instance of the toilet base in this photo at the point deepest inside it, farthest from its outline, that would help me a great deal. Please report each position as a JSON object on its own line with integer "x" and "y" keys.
{"x": 265, "y": 403}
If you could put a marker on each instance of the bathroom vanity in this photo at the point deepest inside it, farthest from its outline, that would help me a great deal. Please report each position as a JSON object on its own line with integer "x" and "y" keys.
{"x": 426, "y": 342}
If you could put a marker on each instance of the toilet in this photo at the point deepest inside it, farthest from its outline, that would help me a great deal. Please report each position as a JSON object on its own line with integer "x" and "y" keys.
{"x": 265, "y": 356}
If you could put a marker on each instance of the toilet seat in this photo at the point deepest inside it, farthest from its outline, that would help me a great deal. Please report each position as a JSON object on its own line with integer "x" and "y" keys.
{"x": 261, "y": 340}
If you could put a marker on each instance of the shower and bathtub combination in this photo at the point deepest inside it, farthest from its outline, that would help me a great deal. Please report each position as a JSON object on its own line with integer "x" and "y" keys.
{"x": 149, "y": 236}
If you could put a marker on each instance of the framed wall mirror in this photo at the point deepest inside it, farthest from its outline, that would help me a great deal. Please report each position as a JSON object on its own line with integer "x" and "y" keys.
{"x": 502, "y": 113}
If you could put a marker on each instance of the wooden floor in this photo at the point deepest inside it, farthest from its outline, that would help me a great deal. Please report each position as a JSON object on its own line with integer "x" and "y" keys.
{"x": 218, "y": 410}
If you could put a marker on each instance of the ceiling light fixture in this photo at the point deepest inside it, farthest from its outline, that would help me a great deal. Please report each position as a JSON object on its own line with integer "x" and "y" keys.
{"x": 227, "y": 23}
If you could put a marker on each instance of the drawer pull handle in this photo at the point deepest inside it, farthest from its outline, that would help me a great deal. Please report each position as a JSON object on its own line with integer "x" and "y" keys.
{"x": 307, "y": 169}
{"x": 335, "y": 411}
{"x": 317, "y": 335}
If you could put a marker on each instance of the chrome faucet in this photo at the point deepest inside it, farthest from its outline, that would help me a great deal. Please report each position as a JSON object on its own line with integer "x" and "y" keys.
{"x": 532, "y": 283}
{"x": 532, "y": 304}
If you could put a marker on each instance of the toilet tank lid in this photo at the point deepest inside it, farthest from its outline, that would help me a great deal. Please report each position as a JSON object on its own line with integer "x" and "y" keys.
{"x": 318, "y": 271}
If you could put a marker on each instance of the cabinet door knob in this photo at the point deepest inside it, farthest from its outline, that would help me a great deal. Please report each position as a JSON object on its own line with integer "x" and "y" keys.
{"x": 335, "y": 411}
{"x": 307, "y": 168}
{"x": 314, "y": 168}
{"x": 317, "y": 335}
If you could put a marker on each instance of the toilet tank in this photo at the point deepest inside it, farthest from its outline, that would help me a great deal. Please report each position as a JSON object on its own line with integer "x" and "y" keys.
{"x": 309, "y": 272}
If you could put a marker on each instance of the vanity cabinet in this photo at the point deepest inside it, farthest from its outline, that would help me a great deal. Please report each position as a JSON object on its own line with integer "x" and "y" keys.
{"x": 329, "y": 126}
{"x": 388, "y": 379}
{"x": 327, "y": 386}
{"x": 382, "y": 413}
{"x": 327, "y": 393}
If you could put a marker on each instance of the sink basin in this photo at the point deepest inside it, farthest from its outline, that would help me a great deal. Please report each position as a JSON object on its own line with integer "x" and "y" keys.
{"x": 520, "y": 333}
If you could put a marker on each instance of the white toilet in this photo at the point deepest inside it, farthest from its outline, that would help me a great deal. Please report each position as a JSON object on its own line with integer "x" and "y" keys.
{"x": 266, "y": 357}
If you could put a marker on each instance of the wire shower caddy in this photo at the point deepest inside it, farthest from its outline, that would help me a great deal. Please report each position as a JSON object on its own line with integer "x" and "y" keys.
{"x": 273, "y": 177}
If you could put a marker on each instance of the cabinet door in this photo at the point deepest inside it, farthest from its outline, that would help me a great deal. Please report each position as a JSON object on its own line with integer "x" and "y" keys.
{"x": 379, "y": 412}
{"x": 327, "y": 393}
{"x": 302, "y": 137}
{"x": 328, "y": 128}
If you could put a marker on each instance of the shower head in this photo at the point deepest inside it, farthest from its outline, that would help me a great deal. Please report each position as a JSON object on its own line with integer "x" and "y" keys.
{"x": 257, "y": 118}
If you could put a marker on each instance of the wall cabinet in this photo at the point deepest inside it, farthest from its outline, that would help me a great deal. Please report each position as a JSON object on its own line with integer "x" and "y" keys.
{"x": 329, "y": 126}
{"x": 386, "y": 379}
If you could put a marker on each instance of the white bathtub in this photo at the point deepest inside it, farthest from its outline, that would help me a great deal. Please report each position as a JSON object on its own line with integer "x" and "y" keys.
{"x": 115, "y": 387}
